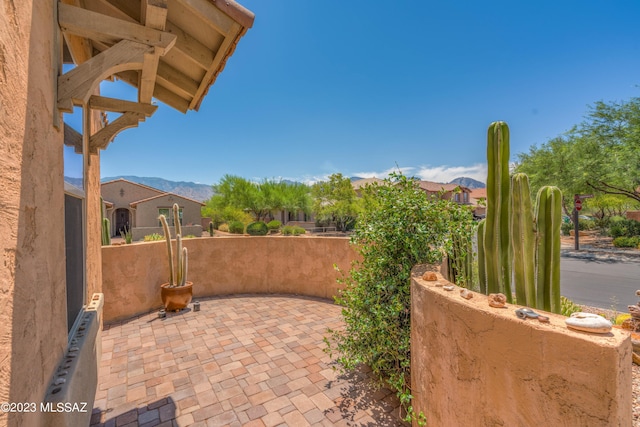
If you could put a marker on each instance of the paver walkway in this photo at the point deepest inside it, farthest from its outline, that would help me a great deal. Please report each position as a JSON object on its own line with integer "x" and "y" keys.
{"x": 242, "y": 360}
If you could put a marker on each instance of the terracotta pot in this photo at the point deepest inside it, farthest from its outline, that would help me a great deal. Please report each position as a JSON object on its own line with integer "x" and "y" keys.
{"x": 177, "y": 298}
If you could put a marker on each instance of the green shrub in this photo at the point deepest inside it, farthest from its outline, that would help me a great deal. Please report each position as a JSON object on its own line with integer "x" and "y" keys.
{"x": 274, "y": 225}
{"x": 566, "y": 228}
{"x": 189, "y": 236}
{"x": 625, "y": 228}
{"x": 153, "y": 237}
{"x": 236, "y": 227}
{"x": 399, "y": 227}
{"x": 223, "y": 227}
{"x": 626, "y": 242}
{"x": 620, "y": 318}
{"x": 586, "y": 224}
{"x": 568, "y": 307}
{"x": 293, "y": 230}
{"x": 258, "y": 228}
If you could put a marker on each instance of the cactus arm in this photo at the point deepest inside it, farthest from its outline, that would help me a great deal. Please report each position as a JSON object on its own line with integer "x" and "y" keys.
{"x": 548, "y": 218}
{"x": 184, "y": 264}
{"x": 522, "y": 233}
{"x": 179, "y": 265}
{"x": 496, "y": 233}
{"x": 176, "y": 219}
{"x": 167, "y": 237}
{"x": 482, "y": 275}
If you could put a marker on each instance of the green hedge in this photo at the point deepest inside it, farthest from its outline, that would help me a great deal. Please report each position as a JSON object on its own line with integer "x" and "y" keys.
{"x": 258, "y": 228}
{"x": 627, "y": 242}
{"x": 236, "y": 227}
{"x": 293, "y": 230}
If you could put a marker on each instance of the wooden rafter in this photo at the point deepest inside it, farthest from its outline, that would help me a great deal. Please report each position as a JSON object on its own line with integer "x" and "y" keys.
{"x": 96, "y": 26}
{"x": 153, "y": 14}
{"x": 79, "y": 47}
{"x": 114, "y": 105}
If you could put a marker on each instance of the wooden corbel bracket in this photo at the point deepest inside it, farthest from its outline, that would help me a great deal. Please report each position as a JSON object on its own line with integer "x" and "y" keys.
{"x": 132, "y": 114}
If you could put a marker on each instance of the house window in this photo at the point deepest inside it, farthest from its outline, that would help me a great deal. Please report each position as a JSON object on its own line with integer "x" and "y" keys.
{"x": 168, "y": 214}
{"x": 456, "y": 197}
{"x": 465, "y": 197}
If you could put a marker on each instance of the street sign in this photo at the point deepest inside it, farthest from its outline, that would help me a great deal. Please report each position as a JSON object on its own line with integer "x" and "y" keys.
{"x": 578, "y": 204}
{"x": 585, "y": 196}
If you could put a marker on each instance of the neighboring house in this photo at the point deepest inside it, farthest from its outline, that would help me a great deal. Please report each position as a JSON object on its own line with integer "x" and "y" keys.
{"x": 455, "y": 192}
{"x": 359, "y": 184}
{"x": 137, "y": 207}
{"x": 478, "y": 199}
{"x": 51, "y": 280}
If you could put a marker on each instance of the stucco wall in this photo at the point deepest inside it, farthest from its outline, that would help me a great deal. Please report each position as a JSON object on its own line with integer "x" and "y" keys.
{"x": 147, "y": 212}
{"x": 139, "y": 233}
{"x": 633, "y": 215}
{"x": 132, "y": 274}
{"x": 33, "y": 319}
{"x": 474, "y": 365}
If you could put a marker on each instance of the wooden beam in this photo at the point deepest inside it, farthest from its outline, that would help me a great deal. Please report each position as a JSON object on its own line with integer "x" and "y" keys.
{"x": 72, "y": 138}
{"x": 97, "y": 26}
{"x": 191, "y": 47}
{"x": 176, "y": 81}
{"x": 102, "y": 138}
{"x": 159, "y": 92}
{"x": 215, "y": 18}
{"x": 115, "y": 8}
{"x": 77, "y": 85}
{"x": 114, "y": 105}
{"x": 79, "y": 47}
{"x": 218, "y": 63}
{"x": 153, "y": 14}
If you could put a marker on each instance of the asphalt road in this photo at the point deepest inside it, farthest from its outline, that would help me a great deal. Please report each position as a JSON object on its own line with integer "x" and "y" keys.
{"x": 601, "y": 282}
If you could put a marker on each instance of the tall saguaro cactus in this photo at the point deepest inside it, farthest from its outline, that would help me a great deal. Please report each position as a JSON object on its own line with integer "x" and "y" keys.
{"x": 482, "y": 274}
{"x": 497, "y": 247}
{"x": 548, "y": 219}
{"x": 523, "y": 235}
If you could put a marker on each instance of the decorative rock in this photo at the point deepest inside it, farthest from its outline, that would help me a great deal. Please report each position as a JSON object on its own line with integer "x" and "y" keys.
{"x": 634, "y": 310}
{"x": 448, "y": 287}
{"x": 527, "y": 313}
{"x": 588, "y": 322}
{"x": 466, "y": 293}
{"x": 497, "y": 300}
{"x": 430, "y": 276}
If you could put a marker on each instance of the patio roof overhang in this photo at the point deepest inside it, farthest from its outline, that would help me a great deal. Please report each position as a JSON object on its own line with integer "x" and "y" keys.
{"x": 171, "y": 50}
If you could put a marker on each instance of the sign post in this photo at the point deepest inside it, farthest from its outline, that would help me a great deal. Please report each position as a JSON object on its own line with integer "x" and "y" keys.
{"x": 577, "y": 207}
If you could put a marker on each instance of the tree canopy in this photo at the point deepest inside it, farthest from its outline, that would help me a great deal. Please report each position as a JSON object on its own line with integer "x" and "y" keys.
{"x": 259, "y": 199}
{"x": 601, "y": 155}
{"x": 336, "y": 200}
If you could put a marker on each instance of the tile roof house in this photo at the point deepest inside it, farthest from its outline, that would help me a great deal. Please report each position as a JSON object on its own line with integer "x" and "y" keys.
{"x": 455, "y": 192}
{"x": 137, "y": 207}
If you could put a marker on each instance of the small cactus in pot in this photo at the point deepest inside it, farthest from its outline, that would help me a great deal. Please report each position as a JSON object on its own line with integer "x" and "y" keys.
{"x": 177, "y": 292}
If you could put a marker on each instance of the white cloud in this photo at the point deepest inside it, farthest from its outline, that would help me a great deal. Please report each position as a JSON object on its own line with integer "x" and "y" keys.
{"x": 384, "y": 174}
{"x": 447, "y": 173}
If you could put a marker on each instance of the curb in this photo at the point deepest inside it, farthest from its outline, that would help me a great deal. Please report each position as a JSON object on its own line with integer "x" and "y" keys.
{"x": 601, "y": 254}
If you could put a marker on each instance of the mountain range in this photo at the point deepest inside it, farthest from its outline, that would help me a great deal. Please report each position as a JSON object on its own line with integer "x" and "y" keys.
{"x": 202, "y": 192}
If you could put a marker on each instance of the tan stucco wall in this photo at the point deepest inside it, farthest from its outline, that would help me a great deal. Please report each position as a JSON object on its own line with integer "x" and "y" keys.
{"x": 147, "y": 212}
{"x": 474, "y": 365}
{"x": 33, "y": 324}
{"x": 133, "y": 273}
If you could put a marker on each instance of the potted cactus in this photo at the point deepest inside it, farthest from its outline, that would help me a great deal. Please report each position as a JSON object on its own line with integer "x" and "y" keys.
{"x": 177, "y": 292}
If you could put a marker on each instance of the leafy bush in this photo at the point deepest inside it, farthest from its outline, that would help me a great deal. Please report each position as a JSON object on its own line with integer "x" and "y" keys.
{"x": 258, "y": 228}
{"x": 153, "y": 237}
{"x": 399, "y": 227}
{"x": 626, "y": 242}
{"x": 568, "y": 307}
{"x": 620, "y": 318}
{"x": 189, "y": 236}
{"x": 625, "y": 227}
{"x": 236, "y": 227}
{"x": 293, "y": 230}
{"x": 223, "y": 227}
{"x": 274, "y": 225}
{"x": 566, "y": 228}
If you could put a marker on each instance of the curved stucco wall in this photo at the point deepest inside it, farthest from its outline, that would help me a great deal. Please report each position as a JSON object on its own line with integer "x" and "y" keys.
{"x": 474, "y": 365}
{"x": 132, "y": 274}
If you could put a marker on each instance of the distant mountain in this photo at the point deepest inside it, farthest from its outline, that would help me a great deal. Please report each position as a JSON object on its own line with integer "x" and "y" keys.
{"x": 470, "y": 183}
{"x": 199, "y": 192}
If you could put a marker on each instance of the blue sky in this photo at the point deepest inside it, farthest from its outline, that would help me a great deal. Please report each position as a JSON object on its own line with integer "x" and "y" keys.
{"x": 361, "y": 87}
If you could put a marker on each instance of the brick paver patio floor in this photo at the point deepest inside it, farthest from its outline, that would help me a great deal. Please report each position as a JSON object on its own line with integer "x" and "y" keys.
{"x": 242, "y": 360}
